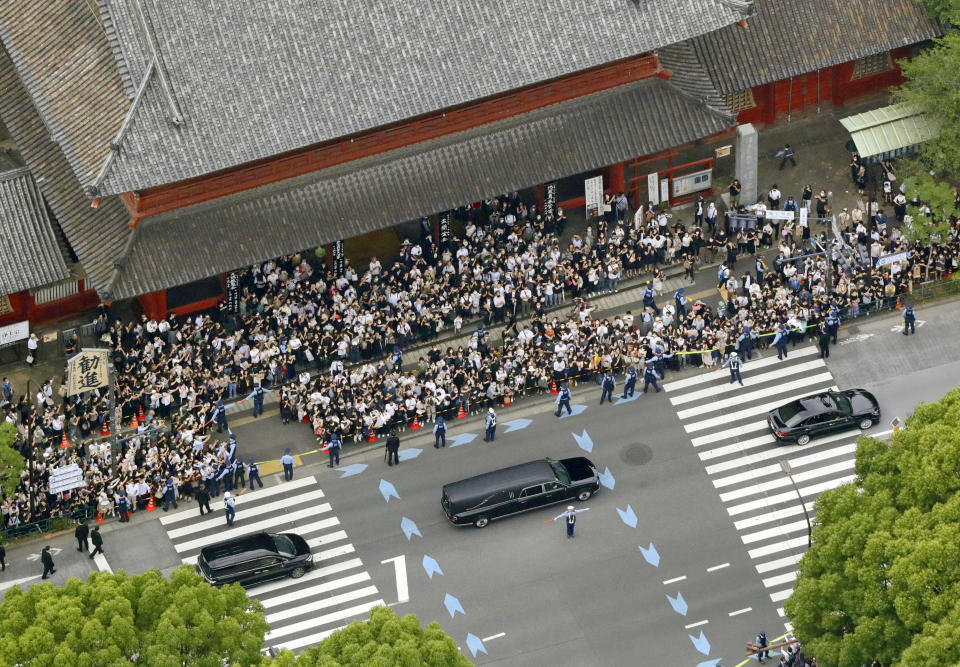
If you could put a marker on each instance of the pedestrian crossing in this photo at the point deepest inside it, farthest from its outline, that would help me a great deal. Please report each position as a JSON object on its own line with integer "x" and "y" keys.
{"x": 300, "y": 612}
{"x": 727, "y": 427}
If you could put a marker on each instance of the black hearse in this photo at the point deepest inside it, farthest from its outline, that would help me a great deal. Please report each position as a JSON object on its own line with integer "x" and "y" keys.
{"x": 255, "y": 558}
{"x": 494, "y": 495}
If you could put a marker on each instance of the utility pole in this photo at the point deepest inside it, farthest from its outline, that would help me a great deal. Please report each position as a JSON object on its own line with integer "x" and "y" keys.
{"x": 785, "y": 467}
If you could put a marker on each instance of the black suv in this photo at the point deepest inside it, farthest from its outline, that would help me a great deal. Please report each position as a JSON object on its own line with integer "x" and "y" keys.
{"x": 254, "y": 558}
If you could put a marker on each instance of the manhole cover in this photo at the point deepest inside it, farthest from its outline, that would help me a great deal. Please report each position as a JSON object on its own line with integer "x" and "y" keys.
{"x": 637, "y": 454}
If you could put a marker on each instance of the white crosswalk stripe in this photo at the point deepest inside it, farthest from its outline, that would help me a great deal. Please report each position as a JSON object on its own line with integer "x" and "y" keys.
{"x": 304, "y": 611}
{"x": 727, "y": 425}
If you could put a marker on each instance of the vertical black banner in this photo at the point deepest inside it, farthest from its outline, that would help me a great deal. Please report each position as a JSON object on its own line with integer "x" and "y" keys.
{"x": 233, "y": 293}
{"x": 550, "y": 199}
{"x": 338, "y": 258}
{"x": 446, "y": 233}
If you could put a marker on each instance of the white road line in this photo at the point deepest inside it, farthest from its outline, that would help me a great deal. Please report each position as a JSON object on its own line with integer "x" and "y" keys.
{"x": 775, "y": 453}
{"x": 244, "y": 528}
{"x": 342, "y": 582}
{"x": 776, "y": 515}
{"x": 799, "y": 462}
{"x": 695, "y": 625}
{"x": 776, "y": 531}
{"x": 740, "y": 447}
{"x": 308, "y": 640}
{"x": 674, "y": 580}
{"x": 715, "y": 390}
{"x": 760, "y": 363}
{"x": 780, "y": 498}
{"x": 781, "y": 595}
{"x": 329, "y": 538}
{"x": 323, "y": 620}
{"x": 777, "y": 547}
{"x": 492, "y": 637}
{"x": 325, "y": 603}
{"x": 730, "y": 433}
{"x": 780, "y": 579}
{"x": 784, "y": 481}
{"x": 740, "y": 611}
{"x": 250, "y": 495}
{"x": 102, "y": 563}
{"x": 256, "y": 510}
{"x": 718, "y": 567}
{"x": 752, "y": 411}
{"x": 779, "y": 564}
{"x": 781, "y": 612}
{"x": 746, "y": 397}
{"x": 316, "y": 573}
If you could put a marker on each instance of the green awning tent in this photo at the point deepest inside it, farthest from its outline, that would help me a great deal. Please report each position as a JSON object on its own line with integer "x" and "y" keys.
{"x": 889, "y": 131}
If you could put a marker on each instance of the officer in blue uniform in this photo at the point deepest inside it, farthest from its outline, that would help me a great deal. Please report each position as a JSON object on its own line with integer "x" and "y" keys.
{"x": 334, "y": 450}
{"x": 761, "y": 267}
{"x": 733, "y": 363}
{"x": 780, "y": 341}
{"x": 650, "y": 377}
{"x": 745, "y": 343}
{"x": 257, "y": 401}
{"x": 169, "y": 494}
{"x": 608, "y": 384}
{"x": 563, "y": 400}
{"x": 648, "y": 299}
{"x": 909, "y": 320}
{"x": 440, "y": 433}
{"x": 287, "y": 461}
{"x": 680, "y": 299}
{"x": 226, "y": 476}
{"x": 491, "y": 422}
{"x": 220, "y": 417}
{"x": 232, "y": 448}
{"x": 833, "y": 322}
{"x": 239, "y": 474}
{"x": 570, "y": 519}
{"x": 253, "y": 470}
{"x": 229, "y": 506}
{"x": 629, "y": 382}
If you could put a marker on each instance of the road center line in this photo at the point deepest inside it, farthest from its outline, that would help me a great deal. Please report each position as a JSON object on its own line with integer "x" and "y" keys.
{"x": 496, "y": 636}
{"x": 718, "y": 567}
{"x": 740, "y": 611}
{"x": 675, "y": 580}
{"x": 694, "y": 625}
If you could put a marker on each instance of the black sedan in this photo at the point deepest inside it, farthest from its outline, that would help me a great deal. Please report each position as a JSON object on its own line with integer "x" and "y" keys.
{"x": 808, "y": 417}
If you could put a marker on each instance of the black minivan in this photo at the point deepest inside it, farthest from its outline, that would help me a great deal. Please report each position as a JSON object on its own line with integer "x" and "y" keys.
{"x": 494, "y": 495}
{"x": 254, "y": 558}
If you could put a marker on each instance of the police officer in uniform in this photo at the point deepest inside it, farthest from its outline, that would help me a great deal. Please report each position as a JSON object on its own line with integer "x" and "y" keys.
{"x": 169, "y": 494}
{"x": 650, "y": 377}
{"x": 254, "y": 471}
{"x": 570, "y": 518}
{"x": 491, "y": 423}
{"x": 440, "y": 433}
{"x": 230, "y": 508}
{"x": 909, "y": 319}
{"x": 629, "y": 382}
{"x": 648, "y": 299}
{"x": 833, "y": 322}
{"x": 608, "y": 384}
{"x": 334, "y": 450}
{"x": 220, "y": 417}
{"x": 733, "y": 362}
{"x": 393, "y": 449}
{"x": 257, "y": 401}
{"x": 563, "y": 400}
{"x": 780, "y": 341}
{"x": 287, "y": 461}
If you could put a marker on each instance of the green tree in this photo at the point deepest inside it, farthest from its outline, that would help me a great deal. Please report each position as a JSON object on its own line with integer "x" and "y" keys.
{"x": 945, "y": 11}
{"x": 383, "y": 641}
{"x": 938, "y": 196}
{"x": 11, "y": 462}
{"x": 113, "y": 619}
{"x": 882, "y": 579}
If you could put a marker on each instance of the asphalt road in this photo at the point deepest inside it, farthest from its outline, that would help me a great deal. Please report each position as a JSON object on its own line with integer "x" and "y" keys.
{"x": 687, "y": 461}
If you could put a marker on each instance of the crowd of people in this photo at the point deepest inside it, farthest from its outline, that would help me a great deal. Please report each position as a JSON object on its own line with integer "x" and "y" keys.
{"x": 510, "y": 265}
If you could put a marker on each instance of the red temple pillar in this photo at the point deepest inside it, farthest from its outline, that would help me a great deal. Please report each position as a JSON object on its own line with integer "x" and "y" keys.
{"x": 154, "y": 304}
{"x": 618, "y": 181}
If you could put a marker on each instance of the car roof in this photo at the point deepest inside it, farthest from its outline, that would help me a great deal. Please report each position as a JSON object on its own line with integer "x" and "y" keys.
{"x": 239, "y": 549}
{"x": 525, "y": 474}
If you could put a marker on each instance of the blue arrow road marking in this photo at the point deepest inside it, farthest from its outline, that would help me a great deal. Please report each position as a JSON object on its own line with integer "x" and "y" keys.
{"x": 679, "y": 604}
{"x": 710, "y": 663}
{"x": 431, "y": 566}
{"x": 621, "y": 399}
{"x": 407, "y": 454}
{"x": 388, "y": 489}
{"x": 584, "y": 441}
{"x": 462, "y": 439}
{"x": 409, "y": 528}
{"x": 574, "y": 411}
{"x": 475, "y": 644}
{"x": 628, "y": 516}
{"x": 453, "y": 605}
{"x": 606, "y": 478}
{"x": 700, "y": 643}
{"x": 351, "y": 470}
{"x": 516, "y": 425}
{"x": 650, "y": 555}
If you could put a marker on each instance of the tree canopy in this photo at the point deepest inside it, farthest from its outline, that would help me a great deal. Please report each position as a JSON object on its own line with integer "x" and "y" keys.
{"x": 383, "y": 641}
{"x": 882, "y": 579}
{"x": 11, "y": 462}
{"x": 146, "y": 619}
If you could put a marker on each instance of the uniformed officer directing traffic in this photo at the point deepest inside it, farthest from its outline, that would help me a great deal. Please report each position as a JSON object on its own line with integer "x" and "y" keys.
{"x": 733, "y": 362}
{"x": 608, "y": 384}
{"x": 570, "y": 518}
{"x": 491, "y": 433}
{"x": 563, "y": 400}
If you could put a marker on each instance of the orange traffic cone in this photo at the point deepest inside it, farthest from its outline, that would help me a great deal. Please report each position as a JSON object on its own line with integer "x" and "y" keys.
{"x": 133, "y": 422}
{"x": 507, "y": 399}
{"x": 416, "y": 423}
{"x": 553, "y": 386}
{"x": 64, "y": 443}
{"x": 372, "y": 437}
{"x": 461, "y": 413}
{"x": 150, "y": 504}
{"x": 99, "y": 516}
{"x": 105, "y": 429}
{"x": 140, "y": 414}
{"x": 898, "y": 306}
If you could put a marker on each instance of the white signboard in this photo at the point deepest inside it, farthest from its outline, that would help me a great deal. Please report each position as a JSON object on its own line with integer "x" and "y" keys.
{"x": 779, "y": 215}
{"x": 694, "y": 182}
{"x": 653, "y": 188}
{"x": 593, "y": 193}
{"x": 66, "y": 478}
{"x": 890, "y": 259}
{"x": 664, "y": 191}
{"x": 803, "y": 216}
{"x": 14, "y": 333}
